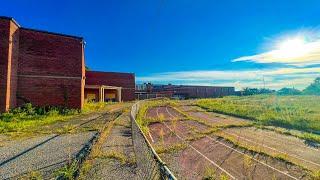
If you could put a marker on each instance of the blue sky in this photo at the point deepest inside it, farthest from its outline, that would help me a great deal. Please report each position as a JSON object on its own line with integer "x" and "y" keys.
{"x": 204, "y": 42}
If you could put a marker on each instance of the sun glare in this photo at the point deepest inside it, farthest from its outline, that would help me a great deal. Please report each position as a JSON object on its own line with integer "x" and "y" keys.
{"x": 291, "y": 48}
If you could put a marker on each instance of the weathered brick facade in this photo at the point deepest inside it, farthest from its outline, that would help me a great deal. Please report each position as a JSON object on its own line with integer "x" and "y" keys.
{"x": 9, "y": 53}
{"x": 47, "y": 69}
{"x": 146, "y": 91}
{"x": 124, "y": 80}
{"x": 50, "y": 69}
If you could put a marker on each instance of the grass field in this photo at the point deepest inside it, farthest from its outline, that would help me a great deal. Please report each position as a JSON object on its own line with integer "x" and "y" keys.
{"x": 30, "y": 119}
{"x": 293, "y": 112}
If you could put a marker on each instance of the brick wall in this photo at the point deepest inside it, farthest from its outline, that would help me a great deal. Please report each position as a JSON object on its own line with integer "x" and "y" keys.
{"x": 124, "y": 80}
{"x": 4, "y": 50}
{"x": 204, "y": 91}
{"x": 50, "y": 69}
{"x": 9, "y": 46}
{"x": 47, "y": 69}
{"x": 14, "y": 56}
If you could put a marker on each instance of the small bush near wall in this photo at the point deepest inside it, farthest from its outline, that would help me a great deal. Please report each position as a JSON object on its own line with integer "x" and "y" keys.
{"x": 29, "y": 117}
{"x": 28, "y": 112}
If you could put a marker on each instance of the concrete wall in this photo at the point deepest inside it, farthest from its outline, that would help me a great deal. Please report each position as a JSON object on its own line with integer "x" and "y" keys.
{"x": 124, "y": 80}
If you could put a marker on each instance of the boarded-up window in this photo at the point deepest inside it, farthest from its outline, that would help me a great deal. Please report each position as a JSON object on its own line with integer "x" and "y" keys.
{"x": 110, "y": 96}
{"x": 91, "y": 97}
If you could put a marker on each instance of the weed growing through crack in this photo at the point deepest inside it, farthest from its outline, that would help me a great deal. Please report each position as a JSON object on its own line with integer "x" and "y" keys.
{"x": 115, "y": 155}
{"x": 96, "y": 151}
{"x": 160, "y": 149}
{"x": 67, "y": 171}
{"x": 120, "y": 156}
{"x": 161, "y": 136}
{"x": 85, "y": 169}
{"x": 174, "y": 123}
{"x": 316, "y": 175}
{"x": 33, "y": 175}
{"x": 247, "y": 165}
{"x": 224, "y": 177}
{"x": 161, "y": 117}
{"x": 209, "y": 173}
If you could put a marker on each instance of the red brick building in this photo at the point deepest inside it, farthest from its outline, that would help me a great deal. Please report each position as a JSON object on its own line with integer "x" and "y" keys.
{"x": 109, "y": 86}
{"x": 47, "y": 69}
{"x": 149, "y": 90}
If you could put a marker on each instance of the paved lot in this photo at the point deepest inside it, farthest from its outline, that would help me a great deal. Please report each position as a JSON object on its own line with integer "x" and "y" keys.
{"x": 44, "y": 154}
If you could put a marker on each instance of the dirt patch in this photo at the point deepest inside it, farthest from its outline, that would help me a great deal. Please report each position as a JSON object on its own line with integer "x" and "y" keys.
{"x": 195, "y": 126}
{"x": 173, "y": 113}
{"x": 151, "y": 113}
{"x": 167, "y": 113}
{"x": 187, "y": 164}
{"x": 160, "y": 135}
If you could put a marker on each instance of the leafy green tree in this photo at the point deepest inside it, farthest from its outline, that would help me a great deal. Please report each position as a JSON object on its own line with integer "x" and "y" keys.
{"x": 253, "y": 91}
{"x": 288, "y": 91}
{"x": 313, "y": 88}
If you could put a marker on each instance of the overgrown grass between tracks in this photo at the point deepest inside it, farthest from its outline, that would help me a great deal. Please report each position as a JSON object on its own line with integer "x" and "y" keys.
{"x": 162, "y": 149}
{"x": 97, "y": 151}
{"x": 142, "y": 119}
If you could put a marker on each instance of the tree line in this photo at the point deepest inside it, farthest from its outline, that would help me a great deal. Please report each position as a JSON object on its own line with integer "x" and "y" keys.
{"x": 312, "y": 89}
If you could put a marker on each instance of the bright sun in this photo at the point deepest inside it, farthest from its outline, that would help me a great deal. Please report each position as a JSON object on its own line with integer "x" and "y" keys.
{"x": 291, "y": 48}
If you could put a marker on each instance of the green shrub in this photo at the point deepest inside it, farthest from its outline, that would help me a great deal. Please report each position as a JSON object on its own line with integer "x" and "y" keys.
{"x": 28, "y": 117}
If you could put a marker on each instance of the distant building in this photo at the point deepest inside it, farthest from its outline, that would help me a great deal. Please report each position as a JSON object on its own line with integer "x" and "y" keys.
{"x": 182, "y": 91}
{"x": 48, "y": 69}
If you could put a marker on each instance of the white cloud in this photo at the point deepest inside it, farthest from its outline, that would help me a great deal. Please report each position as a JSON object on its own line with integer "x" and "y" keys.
{"x": 271, "y": 78}
{"x": 299, "y": 50}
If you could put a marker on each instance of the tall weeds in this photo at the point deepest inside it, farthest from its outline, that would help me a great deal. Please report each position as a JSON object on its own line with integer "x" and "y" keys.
{"x": 294, "y": 112}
